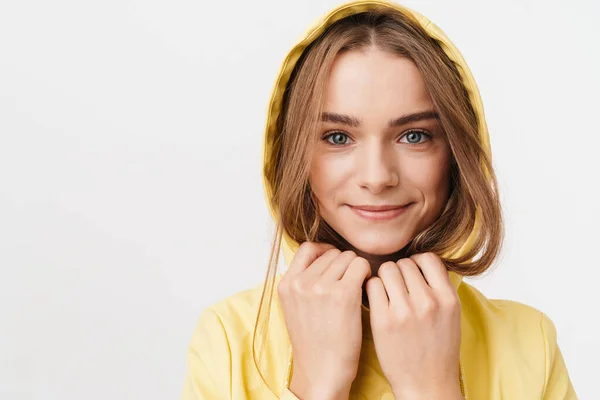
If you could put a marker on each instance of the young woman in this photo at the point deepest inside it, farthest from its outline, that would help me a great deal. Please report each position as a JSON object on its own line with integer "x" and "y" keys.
{"x": 378, "y": 173}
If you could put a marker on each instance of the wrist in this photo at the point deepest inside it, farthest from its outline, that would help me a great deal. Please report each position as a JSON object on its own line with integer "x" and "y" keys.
{"x": 445, "y": 393}
{"x": 317, "y": 393}
{"x": 308, "y": 391}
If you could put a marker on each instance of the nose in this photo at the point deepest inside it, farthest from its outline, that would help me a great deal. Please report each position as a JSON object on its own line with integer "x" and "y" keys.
{"x": 377, "y": 167}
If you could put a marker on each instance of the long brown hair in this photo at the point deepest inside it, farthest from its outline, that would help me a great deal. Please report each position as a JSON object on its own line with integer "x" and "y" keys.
{"x": 474, "y": 193}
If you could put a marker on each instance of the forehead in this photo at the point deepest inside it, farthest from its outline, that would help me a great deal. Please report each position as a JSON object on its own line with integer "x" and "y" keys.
{"x": 374, "y": 86}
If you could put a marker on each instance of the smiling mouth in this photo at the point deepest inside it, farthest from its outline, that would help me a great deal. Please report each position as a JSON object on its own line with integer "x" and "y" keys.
{"x": 381, "y": 212}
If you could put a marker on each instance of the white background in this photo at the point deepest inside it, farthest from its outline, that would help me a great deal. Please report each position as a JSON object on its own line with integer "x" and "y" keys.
{"x": 130, "y": 176}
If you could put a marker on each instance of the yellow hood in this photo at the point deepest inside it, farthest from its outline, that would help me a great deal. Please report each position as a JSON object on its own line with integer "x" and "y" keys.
{"x": 289, "y": 246}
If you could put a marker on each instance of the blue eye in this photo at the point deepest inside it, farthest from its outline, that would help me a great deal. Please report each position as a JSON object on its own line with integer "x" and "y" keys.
{"x": 336, "y": 138}
{"x": 414, "y": 136}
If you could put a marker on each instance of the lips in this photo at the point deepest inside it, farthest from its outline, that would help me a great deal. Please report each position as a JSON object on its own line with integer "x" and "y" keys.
{"x": 379, "y": 208}
{"x": 380, "y": 212}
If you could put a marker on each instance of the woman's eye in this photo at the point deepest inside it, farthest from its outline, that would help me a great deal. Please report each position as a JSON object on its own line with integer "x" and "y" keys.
{"x": 337, "y": 138}
{"x": 414, "y": 137}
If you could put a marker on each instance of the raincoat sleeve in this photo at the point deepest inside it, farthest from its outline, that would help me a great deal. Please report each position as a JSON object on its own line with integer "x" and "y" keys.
{"x": 558, "y": 385}
{"x": 208, "y": 375}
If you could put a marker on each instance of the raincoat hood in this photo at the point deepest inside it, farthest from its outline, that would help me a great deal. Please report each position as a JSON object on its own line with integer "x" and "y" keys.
{"x": 289, "y": 246}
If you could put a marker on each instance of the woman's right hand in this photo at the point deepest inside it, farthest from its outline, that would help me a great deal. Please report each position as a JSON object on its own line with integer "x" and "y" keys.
{"x": 321, "y": 296}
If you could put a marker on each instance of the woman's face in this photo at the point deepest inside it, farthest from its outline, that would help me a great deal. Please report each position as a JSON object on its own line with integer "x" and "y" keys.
{"x": 371, "y": 153}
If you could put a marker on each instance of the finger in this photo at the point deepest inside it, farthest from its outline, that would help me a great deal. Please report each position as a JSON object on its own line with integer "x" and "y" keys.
{"x": 433, "y": 269}
{"x": 393, "y": 282}
{"x": 307, "y": 253}
{"x": 321, "y": 264}
{"x": 413, "y": 279}
{"x": 338, "y": 267}
{"x": 377, "y": 294}
{"x": 356, "y": 273}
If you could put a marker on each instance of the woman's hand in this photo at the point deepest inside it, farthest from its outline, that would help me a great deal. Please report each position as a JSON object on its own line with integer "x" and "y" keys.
{"x": 321, "y": 295}
{"x": 417, "y": 330}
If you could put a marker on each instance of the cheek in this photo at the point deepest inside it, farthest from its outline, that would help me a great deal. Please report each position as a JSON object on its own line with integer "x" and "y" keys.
{"x": 327, "y": 178}
{"x": 430, "y": 176}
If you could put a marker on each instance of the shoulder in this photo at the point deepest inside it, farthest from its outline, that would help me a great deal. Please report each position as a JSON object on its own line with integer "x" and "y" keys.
{"x": 500, "y": 312}
{"x": 514, "y": 341}
{"x": 221, "y": 350}
{"x": 508, "y": 328}
{"x": 237, "y": 311}
{"x": 511, "y": 330}
{"x": 234, "y": 317}
{"x": 529, "y": 323}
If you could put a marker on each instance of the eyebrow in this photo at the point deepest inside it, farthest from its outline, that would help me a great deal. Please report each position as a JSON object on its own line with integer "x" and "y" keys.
{"x": 403, "y": 120}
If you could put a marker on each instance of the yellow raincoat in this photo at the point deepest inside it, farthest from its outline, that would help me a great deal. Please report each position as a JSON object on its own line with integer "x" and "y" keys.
{"x": 508, "y": 350}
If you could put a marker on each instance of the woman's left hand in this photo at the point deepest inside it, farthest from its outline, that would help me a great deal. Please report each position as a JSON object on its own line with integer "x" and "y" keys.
{"x": 417, "y": 330}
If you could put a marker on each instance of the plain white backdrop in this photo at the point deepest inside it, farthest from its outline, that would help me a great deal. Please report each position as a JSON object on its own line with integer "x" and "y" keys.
{"x": 130, "y": 177}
